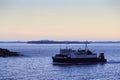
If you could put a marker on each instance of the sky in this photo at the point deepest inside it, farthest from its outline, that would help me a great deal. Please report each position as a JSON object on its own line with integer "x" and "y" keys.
{"x": 23, "y": 20}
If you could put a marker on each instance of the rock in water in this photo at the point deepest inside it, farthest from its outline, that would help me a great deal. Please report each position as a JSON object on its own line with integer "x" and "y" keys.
{"x": 7, "y": 53}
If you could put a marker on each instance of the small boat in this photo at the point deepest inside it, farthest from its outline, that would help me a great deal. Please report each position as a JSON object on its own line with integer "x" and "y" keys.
{"x": 79, "y": 56}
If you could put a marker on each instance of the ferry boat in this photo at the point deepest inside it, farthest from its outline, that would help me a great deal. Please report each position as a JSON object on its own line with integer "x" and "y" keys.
{"x": 69, "y": 55}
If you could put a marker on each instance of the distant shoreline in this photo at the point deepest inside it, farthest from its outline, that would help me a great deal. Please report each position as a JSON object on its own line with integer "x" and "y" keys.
{"x": 56, "y": 42}
{"x": 13, "y": 41}
{"x": 69, "y": 42}
{"x": 59, "y": 42}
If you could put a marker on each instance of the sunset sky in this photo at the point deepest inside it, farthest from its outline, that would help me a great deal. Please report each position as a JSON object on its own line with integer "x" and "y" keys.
{"x": 22, "y": 20}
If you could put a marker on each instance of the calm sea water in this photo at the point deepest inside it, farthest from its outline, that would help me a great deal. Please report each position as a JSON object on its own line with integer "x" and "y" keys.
{"x": 37, "y": 64}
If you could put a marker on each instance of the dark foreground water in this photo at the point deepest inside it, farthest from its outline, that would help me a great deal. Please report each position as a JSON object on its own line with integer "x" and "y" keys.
{"x": 37, "y": 65}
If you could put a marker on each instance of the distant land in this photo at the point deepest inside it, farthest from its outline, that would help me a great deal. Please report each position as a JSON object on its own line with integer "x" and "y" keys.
{"x": 58, "y": 42}
{"x": 68, "y": 42}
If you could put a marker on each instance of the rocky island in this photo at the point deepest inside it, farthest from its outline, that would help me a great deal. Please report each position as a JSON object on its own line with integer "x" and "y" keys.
{"x": 7, "y": 53}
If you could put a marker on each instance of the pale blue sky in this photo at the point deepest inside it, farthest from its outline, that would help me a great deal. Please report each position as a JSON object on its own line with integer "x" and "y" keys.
{"x": 59, "y": 19}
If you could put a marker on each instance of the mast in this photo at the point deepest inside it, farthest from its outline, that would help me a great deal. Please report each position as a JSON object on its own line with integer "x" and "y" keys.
{"x": 67, "y": 45}
{"x": 86, "y": 47}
